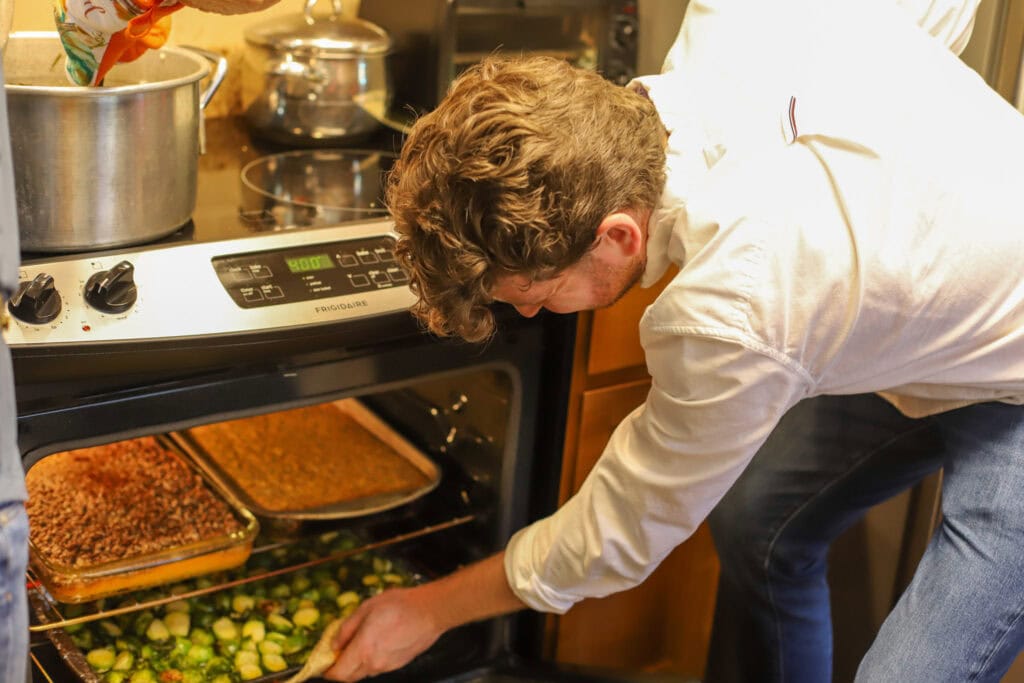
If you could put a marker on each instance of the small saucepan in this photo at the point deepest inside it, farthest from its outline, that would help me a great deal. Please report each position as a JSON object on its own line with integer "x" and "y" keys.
{"x": 315, "y": 74}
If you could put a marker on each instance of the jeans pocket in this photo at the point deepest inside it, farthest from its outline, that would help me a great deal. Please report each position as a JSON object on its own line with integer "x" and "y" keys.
{"x": 13, "y": 602}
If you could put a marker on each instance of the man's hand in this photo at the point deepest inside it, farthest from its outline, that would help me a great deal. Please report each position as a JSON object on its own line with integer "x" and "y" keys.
{"x": 230, "y": 6}
{"x": 383, "y": 634}
{"x": 389, "y": 629}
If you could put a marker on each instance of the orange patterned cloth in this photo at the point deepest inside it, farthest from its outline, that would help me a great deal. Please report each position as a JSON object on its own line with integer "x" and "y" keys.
{"x": 97, "y": 34}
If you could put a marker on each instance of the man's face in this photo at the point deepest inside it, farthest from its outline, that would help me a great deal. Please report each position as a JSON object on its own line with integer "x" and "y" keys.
{"x": 594, "y": 282}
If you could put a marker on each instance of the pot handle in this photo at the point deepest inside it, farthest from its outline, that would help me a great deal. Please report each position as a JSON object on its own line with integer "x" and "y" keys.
{"x": 220, "y": 70}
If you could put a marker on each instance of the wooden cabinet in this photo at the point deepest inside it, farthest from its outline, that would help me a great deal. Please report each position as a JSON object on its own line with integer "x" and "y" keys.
{"x": 665, "y": 623}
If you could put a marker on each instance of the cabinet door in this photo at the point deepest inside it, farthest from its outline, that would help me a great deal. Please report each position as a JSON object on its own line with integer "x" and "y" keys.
{"x": 663, "y": 624}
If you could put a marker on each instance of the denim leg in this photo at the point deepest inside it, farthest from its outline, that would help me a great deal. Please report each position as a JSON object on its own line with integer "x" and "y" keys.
{"x": 13, "y": 600}
{"x": 962, "y": 617}
{"x": 828, "y": 461}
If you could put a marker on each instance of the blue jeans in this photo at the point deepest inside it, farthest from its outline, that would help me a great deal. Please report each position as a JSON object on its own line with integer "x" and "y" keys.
{"x": 828, "y": 461}
{"x": 13, "y": 600}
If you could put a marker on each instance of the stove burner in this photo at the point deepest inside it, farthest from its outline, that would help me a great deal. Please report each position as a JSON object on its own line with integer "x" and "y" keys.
{"x": 308, "y": 188}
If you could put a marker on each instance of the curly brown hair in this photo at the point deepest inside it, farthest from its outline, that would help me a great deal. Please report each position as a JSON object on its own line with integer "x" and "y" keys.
{"x": 511, "y": 175}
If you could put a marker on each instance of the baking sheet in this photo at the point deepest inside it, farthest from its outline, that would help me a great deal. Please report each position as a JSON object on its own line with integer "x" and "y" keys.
{"x": 355, "y": 507}
{"x": 396, "y": 560}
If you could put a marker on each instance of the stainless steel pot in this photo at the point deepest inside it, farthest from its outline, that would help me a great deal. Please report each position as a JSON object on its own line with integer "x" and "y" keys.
{"x": 104, "y": 167}
{"x": 321, "y": 78}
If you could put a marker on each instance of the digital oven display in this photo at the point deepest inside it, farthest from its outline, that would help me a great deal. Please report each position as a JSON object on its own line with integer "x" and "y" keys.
{"x": 310, "y": 272}
{"x": 309, "y": 263}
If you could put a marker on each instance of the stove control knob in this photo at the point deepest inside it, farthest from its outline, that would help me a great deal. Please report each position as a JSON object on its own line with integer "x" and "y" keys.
{"x": 114, "y": 290}
{"x": 36, "y": 302}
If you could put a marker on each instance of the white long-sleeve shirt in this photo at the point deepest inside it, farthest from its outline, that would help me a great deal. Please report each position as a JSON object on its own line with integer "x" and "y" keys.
{"x": 842, "y": 201}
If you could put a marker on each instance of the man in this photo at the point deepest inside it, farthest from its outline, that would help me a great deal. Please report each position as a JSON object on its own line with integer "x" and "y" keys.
{"x": 840, "y": 196}
{"x": 13, "y": 522}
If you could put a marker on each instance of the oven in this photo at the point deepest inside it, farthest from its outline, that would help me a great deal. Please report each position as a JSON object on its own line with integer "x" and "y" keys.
{"x": 254, "y": 309}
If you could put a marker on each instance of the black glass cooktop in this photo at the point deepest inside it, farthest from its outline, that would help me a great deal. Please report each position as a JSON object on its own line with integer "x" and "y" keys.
{"x": 283, "y": 188}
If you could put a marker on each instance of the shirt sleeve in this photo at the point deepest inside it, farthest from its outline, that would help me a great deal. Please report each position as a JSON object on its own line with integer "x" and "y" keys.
{"x": 712, "y": 404}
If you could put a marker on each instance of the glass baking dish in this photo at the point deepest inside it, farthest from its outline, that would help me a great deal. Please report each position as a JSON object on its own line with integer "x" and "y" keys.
{"x": 76, "y": 584}
{"x": 298, "y": 465}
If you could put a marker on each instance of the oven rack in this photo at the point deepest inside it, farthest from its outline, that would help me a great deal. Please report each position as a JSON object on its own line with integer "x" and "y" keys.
{"x": 38, "y": 666}
{"x": 49, "y": 614}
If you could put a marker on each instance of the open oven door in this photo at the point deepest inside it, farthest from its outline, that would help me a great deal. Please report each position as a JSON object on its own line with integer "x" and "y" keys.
{"x": 513, "y": 672}
{"x": 512, "y": 668}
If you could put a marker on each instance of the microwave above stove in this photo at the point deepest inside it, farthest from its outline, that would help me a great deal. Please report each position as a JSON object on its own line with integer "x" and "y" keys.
{"x": 436, "y": 40}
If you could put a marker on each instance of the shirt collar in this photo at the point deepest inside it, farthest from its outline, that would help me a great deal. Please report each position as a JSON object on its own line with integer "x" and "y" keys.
{"x": 692, "y": 150}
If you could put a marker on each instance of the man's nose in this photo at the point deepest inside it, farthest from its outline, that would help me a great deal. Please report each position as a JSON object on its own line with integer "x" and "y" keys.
{"x": 528, "y": 311}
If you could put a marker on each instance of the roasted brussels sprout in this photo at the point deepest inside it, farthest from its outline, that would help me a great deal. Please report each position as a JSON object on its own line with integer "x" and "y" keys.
{"x": 262, "y": 627}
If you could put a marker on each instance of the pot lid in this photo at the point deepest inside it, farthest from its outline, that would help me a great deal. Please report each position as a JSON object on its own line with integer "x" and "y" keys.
{"x": 333, "y": 35}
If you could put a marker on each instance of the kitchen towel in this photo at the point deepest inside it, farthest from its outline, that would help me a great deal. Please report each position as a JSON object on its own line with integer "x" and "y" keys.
{"x": 97, "y": 34}
{"x": 322, "y": 656}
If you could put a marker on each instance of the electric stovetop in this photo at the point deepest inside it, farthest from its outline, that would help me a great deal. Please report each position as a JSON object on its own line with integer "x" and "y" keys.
{"x": 280, "y": 240}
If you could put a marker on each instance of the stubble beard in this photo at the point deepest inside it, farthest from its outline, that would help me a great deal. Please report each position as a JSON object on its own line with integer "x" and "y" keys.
{"x": 633, "y": 272}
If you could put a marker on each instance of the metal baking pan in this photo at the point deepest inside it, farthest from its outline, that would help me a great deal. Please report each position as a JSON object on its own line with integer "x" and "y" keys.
{"x": 268, "y": 454}
{"x": 107, "y": 623}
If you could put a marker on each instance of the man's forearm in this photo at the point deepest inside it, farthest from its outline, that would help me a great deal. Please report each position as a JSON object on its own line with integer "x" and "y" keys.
{"x": 472, "y": 593}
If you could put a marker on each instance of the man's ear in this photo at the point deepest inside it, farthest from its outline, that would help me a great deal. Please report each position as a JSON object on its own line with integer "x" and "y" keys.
{"x": 622, "y": 231}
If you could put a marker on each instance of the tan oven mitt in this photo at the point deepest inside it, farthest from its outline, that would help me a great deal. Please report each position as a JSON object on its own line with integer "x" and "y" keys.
{"x": 322, "y": 656}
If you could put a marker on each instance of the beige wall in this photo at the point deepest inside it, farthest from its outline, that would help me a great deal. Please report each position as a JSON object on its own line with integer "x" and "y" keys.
{"x": 223, "y": 34}
{"x": 659, "y": 22}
